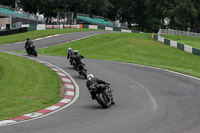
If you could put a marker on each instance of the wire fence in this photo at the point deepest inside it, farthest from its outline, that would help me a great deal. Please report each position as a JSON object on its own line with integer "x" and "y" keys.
{"x": 178, "y": 32}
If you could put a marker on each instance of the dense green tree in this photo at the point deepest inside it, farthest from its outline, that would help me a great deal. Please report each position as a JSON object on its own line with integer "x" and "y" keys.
{"x": 172, "y": 12}
{"x": 195, "y": 18}
{"x": 8, "y": 3}
{"x": 113, "y": 10}
{"x": 148, "y": 15}
{"x": 30, "y": 6}
{"x": 127, "y": 11}
{"x": 186, "y": 12}
{"x": 98, "y": 7}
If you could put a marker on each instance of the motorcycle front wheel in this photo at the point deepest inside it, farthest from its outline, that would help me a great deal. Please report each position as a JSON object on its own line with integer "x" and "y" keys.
{"x": 28, "y": 52}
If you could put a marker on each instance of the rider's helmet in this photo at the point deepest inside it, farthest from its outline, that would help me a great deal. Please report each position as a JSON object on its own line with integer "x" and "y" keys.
{"x": 75, "y": 52}
{"x": 90, "y": 76}
{"x": 28, "y": 39}
{"x": 69, "y": 49}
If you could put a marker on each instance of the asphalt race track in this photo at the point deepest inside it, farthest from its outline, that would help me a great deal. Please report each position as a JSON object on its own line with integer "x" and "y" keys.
{"x": 52, "y": 41}
{"x": 148, "y": 100}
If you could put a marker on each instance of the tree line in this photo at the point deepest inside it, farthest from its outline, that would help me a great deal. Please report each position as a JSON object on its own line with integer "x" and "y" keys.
{"x": 147, "y": 15}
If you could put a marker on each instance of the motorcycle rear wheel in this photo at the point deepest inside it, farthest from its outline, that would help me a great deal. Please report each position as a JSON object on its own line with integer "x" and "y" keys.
{"x": 84, "y": 73}
{"x": 35, "y": 53}
{"x": 102, "y": 101}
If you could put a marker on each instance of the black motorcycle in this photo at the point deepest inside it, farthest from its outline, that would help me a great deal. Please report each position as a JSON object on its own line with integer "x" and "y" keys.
{"x": 31, "y": 50}
{"x": 74, "y": 63}
{"x": 71, "y": 60}
{"x": 81, "y": 69}
{"x": 103, "y": 95}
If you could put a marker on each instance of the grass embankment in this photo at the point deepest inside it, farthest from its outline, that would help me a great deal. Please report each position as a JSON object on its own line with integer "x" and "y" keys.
{"x": 191, "y": 41}
{"x": 135, "y": 48}
{"x": 25, "y": 86}
{"x": 0, "y": 73}
{"x": 37, "y": 34}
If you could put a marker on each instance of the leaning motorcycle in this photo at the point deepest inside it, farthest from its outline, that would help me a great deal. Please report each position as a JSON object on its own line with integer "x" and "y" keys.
{"x": 71, "y": 60}
{"x": 31, "y": 51}
{"x": 82, "y": 70}
{"x": 103, "y": 95}
{"x": 74, "y": 63}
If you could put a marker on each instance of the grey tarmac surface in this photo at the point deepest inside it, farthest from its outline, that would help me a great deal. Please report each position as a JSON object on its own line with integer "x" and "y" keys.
{"x": 52, "y": 41}
{"x": 148, "y": 100}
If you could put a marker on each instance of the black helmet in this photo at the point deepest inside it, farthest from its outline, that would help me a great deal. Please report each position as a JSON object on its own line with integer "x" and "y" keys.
{"x": 28, "y": 38}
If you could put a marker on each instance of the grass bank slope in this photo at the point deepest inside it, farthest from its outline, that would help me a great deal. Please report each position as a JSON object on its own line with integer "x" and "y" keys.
{"x": 191, "y": 41}
{"x": 25, "y": 86}
{"x": 135, "y": 48}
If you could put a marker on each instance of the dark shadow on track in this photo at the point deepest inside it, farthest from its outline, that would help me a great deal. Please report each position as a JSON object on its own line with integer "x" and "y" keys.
{"x": 97, "y": 106}
{"x": 79, "y": 77}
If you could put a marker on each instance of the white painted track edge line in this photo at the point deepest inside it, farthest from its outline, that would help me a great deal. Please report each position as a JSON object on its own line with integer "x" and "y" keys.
{"x": 37, "y": 39}
{"x": 166, "y": 70}
{"x": 71, "y": 41}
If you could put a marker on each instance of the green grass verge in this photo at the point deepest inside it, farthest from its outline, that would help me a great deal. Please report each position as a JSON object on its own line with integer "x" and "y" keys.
{"x": 135, "y": 48}
{"x": 25, "y": 86}
{"x": 191, "y": 41}
{"x": 37, "y": 34}
{"x": 0, "y": 74}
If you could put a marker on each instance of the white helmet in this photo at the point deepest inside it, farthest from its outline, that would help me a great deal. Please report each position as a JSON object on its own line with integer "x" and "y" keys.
{"x": 90, "y": 76}
{"x": 69, "y": 49}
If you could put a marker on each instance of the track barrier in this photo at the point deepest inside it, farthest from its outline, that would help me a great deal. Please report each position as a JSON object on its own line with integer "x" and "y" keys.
{"x": 174, "y": 44}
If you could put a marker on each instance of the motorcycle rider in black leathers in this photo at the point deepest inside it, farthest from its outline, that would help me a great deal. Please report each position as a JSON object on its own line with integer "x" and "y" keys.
{"x": 93, "y": 81}
{"x": 77, "y": 58}
{"x": 70, "y": 55}
{"x": 28, "y": 44}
